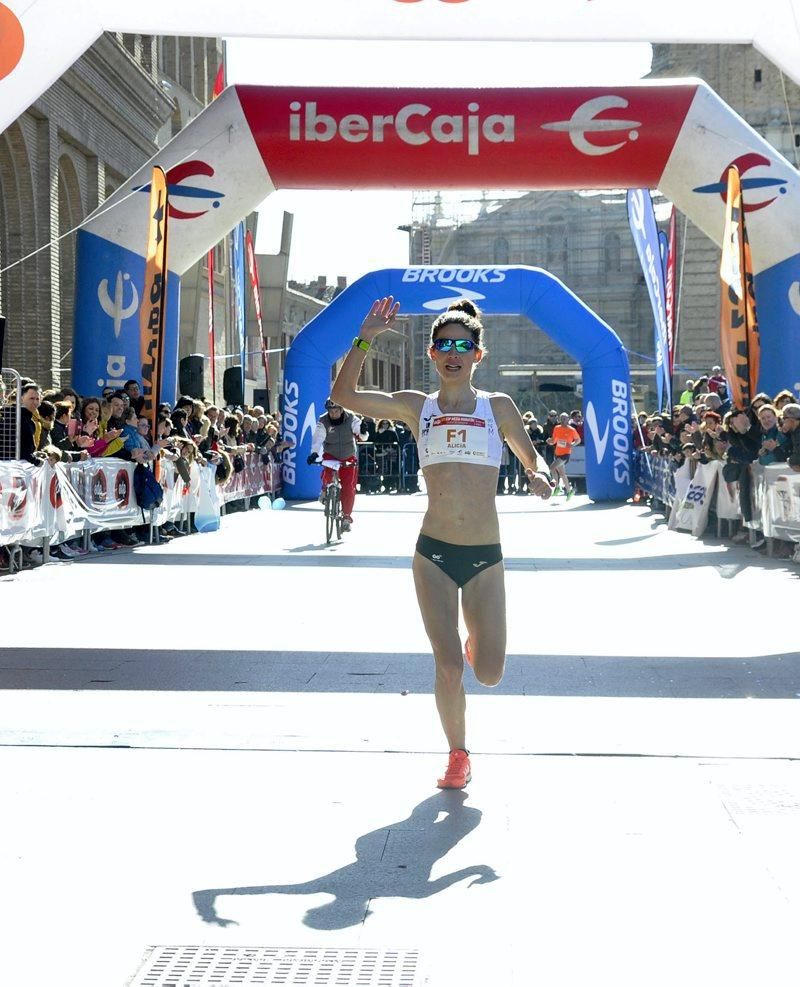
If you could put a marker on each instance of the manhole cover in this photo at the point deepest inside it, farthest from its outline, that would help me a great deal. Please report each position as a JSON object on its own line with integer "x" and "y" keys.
{"x": 203, "y": 966}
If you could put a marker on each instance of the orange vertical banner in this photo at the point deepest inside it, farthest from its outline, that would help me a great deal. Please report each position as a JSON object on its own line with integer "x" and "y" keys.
{"x": 739, "y": 340}
{"x": 154, "y": 299}
{"x": 751, "y": 313}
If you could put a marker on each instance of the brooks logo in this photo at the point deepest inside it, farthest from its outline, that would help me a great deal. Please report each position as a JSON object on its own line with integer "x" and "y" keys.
{"x": 600, "y": 441}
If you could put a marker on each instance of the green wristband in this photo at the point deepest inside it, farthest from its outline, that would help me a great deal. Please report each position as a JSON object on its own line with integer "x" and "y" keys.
{"x": 361, "y": 344}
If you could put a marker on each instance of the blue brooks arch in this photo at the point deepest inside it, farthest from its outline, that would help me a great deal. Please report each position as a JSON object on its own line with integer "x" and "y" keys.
{"x": 497, "y": 290}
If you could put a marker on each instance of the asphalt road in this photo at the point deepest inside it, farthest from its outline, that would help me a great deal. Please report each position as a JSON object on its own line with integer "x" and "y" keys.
{"x": 196, "y": 753}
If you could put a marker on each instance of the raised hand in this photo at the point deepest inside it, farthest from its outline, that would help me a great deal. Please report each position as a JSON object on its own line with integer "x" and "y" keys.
{"x": 381, "y": 316}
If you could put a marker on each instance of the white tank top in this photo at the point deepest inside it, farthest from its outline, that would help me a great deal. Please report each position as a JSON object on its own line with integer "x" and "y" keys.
{"x": 450, "y": 438}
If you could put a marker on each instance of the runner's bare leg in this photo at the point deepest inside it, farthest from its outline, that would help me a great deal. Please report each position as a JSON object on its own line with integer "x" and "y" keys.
{"x": 437, "y": 595}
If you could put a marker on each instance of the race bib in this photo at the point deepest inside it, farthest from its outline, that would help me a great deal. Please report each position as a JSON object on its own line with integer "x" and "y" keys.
{"x": 458, "y": 436}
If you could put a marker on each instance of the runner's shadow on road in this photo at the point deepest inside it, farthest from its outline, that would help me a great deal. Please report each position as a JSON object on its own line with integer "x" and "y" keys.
{"x": 392, "y": 862}
{"x": 313, "y": 548}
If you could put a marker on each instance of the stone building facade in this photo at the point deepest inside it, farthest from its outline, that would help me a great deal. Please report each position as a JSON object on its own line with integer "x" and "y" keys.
{"x": 584, "y": 239}
{"x": 122, "y": 100}
{"x": 579, "y": 238}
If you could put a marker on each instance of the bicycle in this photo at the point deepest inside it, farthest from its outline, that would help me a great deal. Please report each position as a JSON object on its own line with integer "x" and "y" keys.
{"x": 332, "y": 501}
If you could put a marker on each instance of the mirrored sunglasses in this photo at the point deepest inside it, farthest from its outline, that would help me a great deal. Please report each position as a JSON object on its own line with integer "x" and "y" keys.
{"x": 460, "y": 345}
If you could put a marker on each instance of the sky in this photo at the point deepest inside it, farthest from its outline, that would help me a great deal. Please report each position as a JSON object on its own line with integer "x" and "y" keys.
{"x": 351, "y": 233}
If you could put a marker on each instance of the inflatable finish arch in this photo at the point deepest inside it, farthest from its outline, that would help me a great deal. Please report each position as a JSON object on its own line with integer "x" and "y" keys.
{"x": 679, "y": 137}
{"x": 40, "y": 39}
{"x": 497, "y": 291}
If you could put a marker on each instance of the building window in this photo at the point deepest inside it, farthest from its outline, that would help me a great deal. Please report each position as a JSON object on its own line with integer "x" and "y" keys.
{"x": 148, "y": 51}
{"x": 757, "y": 77}
{"x": 169, "y": 58}
{"x": 556, "y": 250}
{"x": 185, "y": 64}
{"x": 501, "y": 250}
{"x": 797, "y": 140}
{"x": 612, "y": 253}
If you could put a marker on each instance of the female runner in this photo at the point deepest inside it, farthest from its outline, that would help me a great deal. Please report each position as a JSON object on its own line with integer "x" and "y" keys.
{"x": 459, "y": 433}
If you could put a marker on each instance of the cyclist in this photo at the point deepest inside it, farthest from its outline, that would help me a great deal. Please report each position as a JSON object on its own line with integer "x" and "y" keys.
{"x": 335, "y": 438}
{"x": 460, "y": 433}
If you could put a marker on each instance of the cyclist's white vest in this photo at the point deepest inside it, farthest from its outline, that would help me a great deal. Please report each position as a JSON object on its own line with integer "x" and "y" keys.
{"x": 340, "y": 443}
{"x": 448, "y": 438}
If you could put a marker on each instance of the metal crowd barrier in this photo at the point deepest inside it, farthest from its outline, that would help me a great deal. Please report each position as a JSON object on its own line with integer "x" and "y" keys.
{"x": 774, "y": 495}
{"x": 10, "y": 404}
{"x": 48, "y": 505}
{"x": 392, "y": 466}
{"x": 387, "y": 467}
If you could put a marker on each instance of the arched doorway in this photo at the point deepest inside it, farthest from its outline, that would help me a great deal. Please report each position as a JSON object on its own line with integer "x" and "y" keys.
{"x": 17, "y": 239}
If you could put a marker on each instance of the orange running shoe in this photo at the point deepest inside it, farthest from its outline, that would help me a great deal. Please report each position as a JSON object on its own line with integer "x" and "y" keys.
{"x": 458, "y": 771}
{"x": 468, "y": 653}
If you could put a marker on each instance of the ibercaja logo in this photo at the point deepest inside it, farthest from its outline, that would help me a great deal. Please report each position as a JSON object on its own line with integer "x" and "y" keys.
{"x": 121, "y": 489}
{"x": 99, "y": 488}
{"x": 12, "y": 41}
{"x": 17, "y": 498}
{"x": 55, "y": 492}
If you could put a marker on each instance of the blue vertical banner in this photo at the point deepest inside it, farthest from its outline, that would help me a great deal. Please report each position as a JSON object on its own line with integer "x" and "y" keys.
{"x": 238, "y": 274}
{"x": 663, "y": 244}
{"x": 642, "y": 220}
{"x": 109, "y": 289}
{"x": 668, "y": 270}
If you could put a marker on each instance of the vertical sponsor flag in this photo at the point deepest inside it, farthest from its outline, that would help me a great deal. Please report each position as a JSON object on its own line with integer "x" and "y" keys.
{"x": 739, "y": 340}
{"x": 212, "y": 347}
{"x": 253, "y": 270}
{"x": 154, "y": 299}
{"x": 219, "y": 81}
{"x": 642, "y": 220}
{"x": 238, "y": 277}
{"x": 663, "y": 240}
{"x": 663, "y": 253}
{"x": 217, "y": 90}
{"x": 219, "y": 86}
{"x": 669, "y": 290}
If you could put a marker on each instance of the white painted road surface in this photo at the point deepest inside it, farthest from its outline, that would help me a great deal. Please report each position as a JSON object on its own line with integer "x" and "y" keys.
{"x": 196, "y": 752}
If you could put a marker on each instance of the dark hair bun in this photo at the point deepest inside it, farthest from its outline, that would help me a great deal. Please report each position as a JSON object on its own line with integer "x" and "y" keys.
{"x": 466, "y": 306}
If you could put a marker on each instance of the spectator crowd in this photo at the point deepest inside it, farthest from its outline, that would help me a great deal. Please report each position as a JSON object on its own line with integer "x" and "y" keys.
{"x": 62, "y": 426}
{"x": 705, "y": 427}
